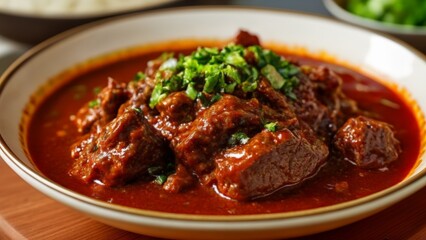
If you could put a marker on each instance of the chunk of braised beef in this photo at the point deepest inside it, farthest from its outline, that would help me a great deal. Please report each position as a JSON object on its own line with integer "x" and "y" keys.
{"x": 309, "y": 109}
{"x": 105, "y": 107}
{"x": 246, "y": 39}
{"x": 176, "y": 107}
{"x": 174, "y": 110}
{"x": 212, "y": 129}
{"x": 321, "y": 102}
{"x": 367, "y": 142}
{"x": 270, "y": 161}
{"x": 180, "y": 180}
{"x": 275, "y": 106}
{"x": 122, "y": 151}
{"x": 328, "y": 88}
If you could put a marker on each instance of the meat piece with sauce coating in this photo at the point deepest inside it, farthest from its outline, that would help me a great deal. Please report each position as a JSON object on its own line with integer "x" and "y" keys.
{"x": 210, "y": 131}
{"x": 268, "y": 162}
{"x": 367, "y": 142}
{"x": 122, "y": 151}
{"x": 102, "y": 110}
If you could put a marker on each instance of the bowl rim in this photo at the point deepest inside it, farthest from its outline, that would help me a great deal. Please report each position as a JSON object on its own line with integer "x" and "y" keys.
{"x": 86, "y": 15}
{"x": 337, "y": 11}
{"x": 13, "y": 160}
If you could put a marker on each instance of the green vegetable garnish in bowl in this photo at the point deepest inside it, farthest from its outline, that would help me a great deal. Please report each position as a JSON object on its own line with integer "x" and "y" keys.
{"x": 404, "y": 12}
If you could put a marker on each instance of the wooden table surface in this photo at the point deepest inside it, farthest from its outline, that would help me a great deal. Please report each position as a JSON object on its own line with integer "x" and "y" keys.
{"x": 25, "y": 213}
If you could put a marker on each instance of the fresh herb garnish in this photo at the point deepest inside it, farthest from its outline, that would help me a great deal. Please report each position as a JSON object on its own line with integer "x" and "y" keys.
{"x": 97, "y": 90}
{"x": 238, "y": 138}
{"x": 94, "y": 103}
{"x": 272, "y": 126}
{"x": 160, "y": 179}
{"x": 218, "y": 71}
{"x": 273, "y": 76}
{"x": 139, "y": 76}
{"x": 206, "y": 102}
{"x": 161, "y": 173}
{"x": 137, "y": 110}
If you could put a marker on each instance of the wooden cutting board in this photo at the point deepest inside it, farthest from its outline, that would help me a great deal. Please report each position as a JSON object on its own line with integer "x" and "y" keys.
{"x": 27, "y": 214}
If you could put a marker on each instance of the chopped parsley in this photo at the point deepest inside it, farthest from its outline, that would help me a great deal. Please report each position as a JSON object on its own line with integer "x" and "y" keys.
{"x": 97, "y": 90}
{"x": 217, "y": 71}
{"x": 139, "y": 76}
{"x": 94, "y": 103}
{"x": 238, "y": 138}
{"x": 137, "y": 110}
{"x": 161, "y": 173}
{"x": 272, "y": 126}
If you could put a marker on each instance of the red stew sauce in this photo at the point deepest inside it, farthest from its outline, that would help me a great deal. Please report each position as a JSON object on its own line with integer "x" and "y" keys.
{"x": 51, "y": 133}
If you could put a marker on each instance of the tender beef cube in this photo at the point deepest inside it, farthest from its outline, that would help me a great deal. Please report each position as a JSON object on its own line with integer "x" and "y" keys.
{"x": 174, "y": 110}
{"x": 328, "y": 88}
{"x": 211, "y": 130}
{"x": 275, "y": 106}
{"x": 109, "y": 100}
{"x": 179, "y": 180}
{"x": 268, "y": 162}
{"x": 321, "y": 102}
{"x": 176, "y": 107}
{"x": 366, "y": 142}
{"x": 309, "y": 109}
{"x": 246, "y": 39}
{"x": 140, "y": 93}
{"x": 121, "y": 152}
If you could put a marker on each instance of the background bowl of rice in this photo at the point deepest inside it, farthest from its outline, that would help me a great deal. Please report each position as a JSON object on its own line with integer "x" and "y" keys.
{"x": 32, "y": 21}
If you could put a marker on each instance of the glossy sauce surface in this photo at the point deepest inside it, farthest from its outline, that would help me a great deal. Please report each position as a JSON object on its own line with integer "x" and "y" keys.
{"x": 51, "y": 134}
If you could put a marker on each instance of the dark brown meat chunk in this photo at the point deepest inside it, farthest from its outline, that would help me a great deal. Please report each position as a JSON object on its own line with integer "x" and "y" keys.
{"x": 174, "y": 110}
{"x": 328, "y": 89}
{"x": 122, "y": 151}
{"x": 309, "y": 109}
{"x": 268, "y": 162}
{"x": 179, "y": 180}
{"x": 275, "y": 106}
{"x": 366, "y": 142}
{"x": 109, "y": 100}
{"x": 321, "y": 102}
{"x": 177, "y": 107}
{"x": 211, "y": 130}
{"x": 246, "y": 39}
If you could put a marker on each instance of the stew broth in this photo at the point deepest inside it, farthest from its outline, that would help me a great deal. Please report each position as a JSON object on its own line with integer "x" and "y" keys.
{"x": 51, "y": 133}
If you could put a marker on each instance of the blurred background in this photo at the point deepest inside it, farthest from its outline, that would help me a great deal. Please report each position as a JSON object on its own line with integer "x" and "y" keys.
{"x": 25, "y": 23}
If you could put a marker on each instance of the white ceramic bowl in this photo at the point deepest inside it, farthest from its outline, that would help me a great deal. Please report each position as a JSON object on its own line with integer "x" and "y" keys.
{"x": 370, "y": 52}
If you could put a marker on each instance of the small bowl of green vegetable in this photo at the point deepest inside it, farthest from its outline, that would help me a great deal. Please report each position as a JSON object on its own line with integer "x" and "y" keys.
{"x": 405, "y": 19}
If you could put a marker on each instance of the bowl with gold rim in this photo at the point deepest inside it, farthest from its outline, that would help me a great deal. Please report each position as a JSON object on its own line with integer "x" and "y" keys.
{"x": 239, "y": 86}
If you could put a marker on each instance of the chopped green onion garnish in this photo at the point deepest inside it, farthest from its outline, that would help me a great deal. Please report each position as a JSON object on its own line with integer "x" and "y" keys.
{"x": 238, "y": 138}
{"x": 94, "y": 103}
{"x": 97, "y": 90}
{"x": 139, "y": 76}
{"x": 161, "y": 173}
{"x": 138, "y": 110}
{"x": 272, "y": 126}
{"x": 157, "y": 95}
{"x": 273, "y": 76}
{"x": 249, "y": 86}
{"x": 191, "y": 91}
{"x": 160, "y": 179}
{"x": 215, "y": 98}
{"x": 214, "y": 71}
